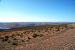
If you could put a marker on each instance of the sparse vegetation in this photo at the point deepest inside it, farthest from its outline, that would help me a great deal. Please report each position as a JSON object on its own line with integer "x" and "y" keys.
{"x": 23, "y": 41}
{"x": 29, "y": 38}
{"x": 35, "y": 35}
{"x": 4, "y": 39}
{"x": 34, "y": 32}
{"x": 15, "y": 43}
{"x": 40, "y": 35}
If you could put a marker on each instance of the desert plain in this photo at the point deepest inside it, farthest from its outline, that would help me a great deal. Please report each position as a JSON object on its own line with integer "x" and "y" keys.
{"x": 44, "y": 37}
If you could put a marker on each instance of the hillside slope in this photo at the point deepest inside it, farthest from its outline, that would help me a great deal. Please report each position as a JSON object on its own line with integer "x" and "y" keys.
{"x": 47, "y": 37}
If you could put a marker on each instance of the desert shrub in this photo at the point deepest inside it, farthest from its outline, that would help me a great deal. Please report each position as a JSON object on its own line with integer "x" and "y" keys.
{"x": 23, "y": 41}
{"x": 18, "y": 34}
{"x": 41, "y": 35}
{"x": 4, "y": 39}
{"x": 1, "y": 37}
{"x": 38, "y": 30}
{"x": 29, "y": 38}
{"x": 6, "y": 36}
{"x": 72, "y": 27}
{"x": 24, "y": 32}
{"x": 15, "y": 43}
{"x": 21, "y": 35}
{"x": 57, "y": 29}
{"x": 35, "y": 35}
{"x": 9, "y": 41}
{"x": 46, "y": 30}
{"x": 14, "y": 39}
{"x": 12, "y": 35}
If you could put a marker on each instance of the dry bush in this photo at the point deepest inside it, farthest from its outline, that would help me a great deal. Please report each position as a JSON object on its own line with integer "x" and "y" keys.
{"x": 15, "y": 43}
{"x": 37, "y": 35}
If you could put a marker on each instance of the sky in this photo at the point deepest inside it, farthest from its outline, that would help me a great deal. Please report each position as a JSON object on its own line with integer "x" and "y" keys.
{"x": 37, "y": 10}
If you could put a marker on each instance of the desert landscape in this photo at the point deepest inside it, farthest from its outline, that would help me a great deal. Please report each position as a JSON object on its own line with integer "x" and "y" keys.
{"x": 41, "y": 37}
{"x": 37, "y": 24}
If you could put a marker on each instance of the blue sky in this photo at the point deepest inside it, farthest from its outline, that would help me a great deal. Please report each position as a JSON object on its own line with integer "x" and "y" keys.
{"x": 37, "y": 11}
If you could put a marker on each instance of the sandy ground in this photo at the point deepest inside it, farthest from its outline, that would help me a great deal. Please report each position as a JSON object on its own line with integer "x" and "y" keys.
{"x": 63, "y": 41}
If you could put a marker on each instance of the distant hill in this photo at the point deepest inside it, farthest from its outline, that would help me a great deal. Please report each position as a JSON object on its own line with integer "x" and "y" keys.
{"x": 10, "y": 25}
